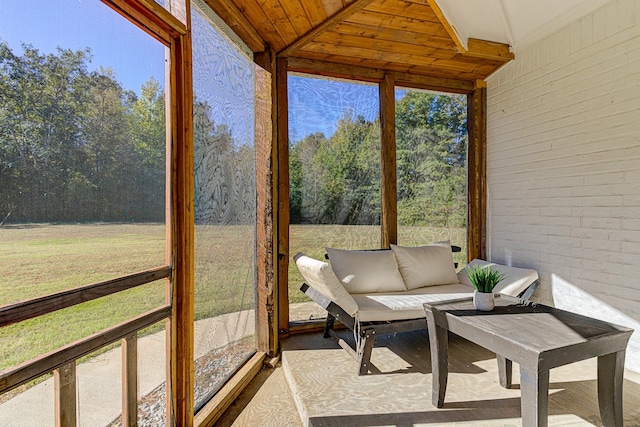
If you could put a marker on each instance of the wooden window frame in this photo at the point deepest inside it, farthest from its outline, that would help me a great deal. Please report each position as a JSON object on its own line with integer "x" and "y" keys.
{"x": 387, "y": 82}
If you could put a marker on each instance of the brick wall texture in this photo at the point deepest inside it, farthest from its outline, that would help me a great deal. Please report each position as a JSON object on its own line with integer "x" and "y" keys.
{"x": 563, "y": 166}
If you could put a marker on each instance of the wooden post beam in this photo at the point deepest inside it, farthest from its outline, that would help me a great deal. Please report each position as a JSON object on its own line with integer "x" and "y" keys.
{"x": 64, "y": 380}
{"x": 388, "y": 161}
{"x": 477, "y": 172}
{"x": 130, "y": 380}
{"x": 282, "y": 187}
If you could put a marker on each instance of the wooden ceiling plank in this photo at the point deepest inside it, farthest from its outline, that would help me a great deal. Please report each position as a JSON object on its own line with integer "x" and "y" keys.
{"x": 260, "y": 21}
{"x": 332, "y": 6}
{"x": 315, "y": 12}
{"x": 338, "y": 17}
{"x": 448, "y": 27}
{"x": 489, "y": 50}
{"x": 398, "y": 23}
{"x": 364, "y": 53}
{"x": 279, "y": 19}
{"x": 409, "y": 37}
{"x": 346, "y": 40}
{"x": 297, "y": 15}
{"x": 234, "y": 18}
{"x": 404, "y": 9}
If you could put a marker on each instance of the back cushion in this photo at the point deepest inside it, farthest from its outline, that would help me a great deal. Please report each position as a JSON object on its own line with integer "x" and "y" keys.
{"x": 366, "y": 271}
{"x": 428, "y": 265}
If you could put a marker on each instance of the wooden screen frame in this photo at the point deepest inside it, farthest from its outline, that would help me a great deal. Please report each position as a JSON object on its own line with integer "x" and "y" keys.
{"x": 387, "y": 82}
{"x": 159, "y": 23}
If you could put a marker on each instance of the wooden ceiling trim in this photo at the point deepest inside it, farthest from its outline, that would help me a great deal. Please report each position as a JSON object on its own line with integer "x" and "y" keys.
{"x": 409, "y": 37}
{"x": 417, "y": 81}
{"x": 234, "y": 18}
{"x": 474, "y": 47}
{"x": 489, "y": 50}
{"x": 448, "y": 27}
{"x": 375, "y": 75}
{"x": 338, "y": 17}
{"x": 336, "y": 70}
{"x": 260, "y": 21}
{"x": 400, "y": 23}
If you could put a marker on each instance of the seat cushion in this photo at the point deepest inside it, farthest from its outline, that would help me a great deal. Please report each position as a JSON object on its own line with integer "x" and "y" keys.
{"x": 366, "y": 271}
{"x": 408, "y": 304}
{"x": 429, "y": 265}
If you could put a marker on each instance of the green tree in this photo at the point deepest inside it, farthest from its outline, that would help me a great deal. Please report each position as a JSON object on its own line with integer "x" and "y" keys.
{"x": 431, "y": 159}
{"x": 40, "y": 96}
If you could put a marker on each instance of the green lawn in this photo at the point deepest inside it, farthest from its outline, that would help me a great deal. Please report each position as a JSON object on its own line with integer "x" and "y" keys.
{"x": 36, "y": 260}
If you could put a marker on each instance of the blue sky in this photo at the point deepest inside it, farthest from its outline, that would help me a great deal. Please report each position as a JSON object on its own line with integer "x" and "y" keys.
{"x": 76, "y": 24}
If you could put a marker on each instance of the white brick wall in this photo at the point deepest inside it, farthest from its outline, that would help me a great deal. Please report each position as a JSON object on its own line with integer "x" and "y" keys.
{"x": 563, "y": 161}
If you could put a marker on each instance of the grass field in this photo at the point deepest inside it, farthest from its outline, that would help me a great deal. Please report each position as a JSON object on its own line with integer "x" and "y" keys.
{"x": 36, "y": 260}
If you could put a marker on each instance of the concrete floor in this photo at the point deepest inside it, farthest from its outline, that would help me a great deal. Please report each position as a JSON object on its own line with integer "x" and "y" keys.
{"x": 316, "y": 385}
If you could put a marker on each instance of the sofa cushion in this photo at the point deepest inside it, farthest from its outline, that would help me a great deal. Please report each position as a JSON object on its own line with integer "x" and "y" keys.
{"x": 408, "y": 304}
{"x": 320, "y": 276}
{"x": 428, "y": 265}
{"x": 516, "y": 279}
{"x": 366, "y": 271}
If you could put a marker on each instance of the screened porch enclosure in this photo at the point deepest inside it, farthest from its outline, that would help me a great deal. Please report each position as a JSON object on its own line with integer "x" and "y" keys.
{"x": 163, "y": 213}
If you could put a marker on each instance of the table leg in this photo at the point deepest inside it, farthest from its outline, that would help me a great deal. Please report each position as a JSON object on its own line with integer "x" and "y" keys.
{"x": 534, "y": 399}
{"x": 439, "y": 345}
{"x": 505, "y": 368}
{"x": 610, "y": 379}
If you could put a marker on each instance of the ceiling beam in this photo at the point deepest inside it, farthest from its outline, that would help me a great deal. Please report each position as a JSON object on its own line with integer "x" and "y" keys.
{"x": 445, "y": 23}
{"x": 489, "y": 50}
{"x": 376, "y": 75}
{"x": 234, "y": 18}
{"x": 334, "y": 19}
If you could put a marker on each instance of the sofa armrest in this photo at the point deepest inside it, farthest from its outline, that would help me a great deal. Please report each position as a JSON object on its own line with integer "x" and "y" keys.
{"x": 320, "y": 276}
{"x": 516, "y": 281}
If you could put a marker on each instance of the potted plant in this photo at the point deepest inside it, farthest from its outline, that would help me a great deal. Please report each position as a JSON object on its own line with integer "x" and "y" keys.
{"x": 484, "y": 279}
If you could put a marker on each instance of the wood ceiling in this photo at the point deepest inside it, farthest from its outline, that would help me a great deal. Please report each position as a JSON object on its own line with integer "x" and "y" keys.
{"x": 407, "y": 36}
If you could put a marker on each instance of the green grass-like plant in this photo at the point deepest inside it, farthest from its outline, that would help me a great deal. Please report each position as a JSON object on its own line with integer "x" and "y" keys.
{"x": 484, "y": 278}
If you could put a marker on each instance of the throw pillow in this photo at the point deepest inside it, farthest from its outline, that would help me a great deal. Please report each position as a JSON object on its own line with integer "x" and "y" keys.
{"x": 366, "y": 271}
{"x": 428, "y": 265}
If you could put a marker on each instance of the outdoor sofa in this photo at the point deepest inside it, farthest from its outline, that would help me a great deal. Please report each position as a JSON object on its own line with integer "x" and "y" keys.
{"x": 383, "y": 291}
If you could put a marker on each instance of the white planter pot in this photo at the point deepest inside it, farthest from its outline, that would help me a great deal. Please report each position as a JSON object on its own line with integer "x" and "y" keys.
{"x": 483, "y": 301}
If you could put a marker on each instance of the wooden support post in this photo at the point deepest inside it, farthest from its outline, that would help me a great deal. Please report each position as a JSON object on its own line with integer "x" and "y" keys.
{"x": 64, "y": 379}
{"x": 180, "y": 326}
{"x": 282, "y": 213}
{"x": 477, "y": 172}
{"x": 130, "y": 380}
{"x": 266, "y": 325}
{"x": 388, "y": 162}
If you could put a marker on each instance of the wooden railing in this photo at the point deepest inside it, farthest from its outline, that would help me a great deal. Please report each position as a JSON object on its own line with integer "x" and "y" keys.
{"x": 62, "y": 362}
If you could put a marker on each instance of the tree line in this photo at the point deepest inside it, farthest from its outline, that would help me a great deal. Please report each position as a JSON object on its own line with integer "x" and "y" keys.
{"x": 77, "y": 146}
{"x": 74, "y": 144}
{"x": 336, "y": 179}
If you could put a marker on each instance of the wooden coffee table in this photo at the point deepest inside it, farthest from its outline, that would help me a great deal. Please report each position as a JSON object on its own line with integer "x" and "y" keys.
{"x": 538, "y": 338}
